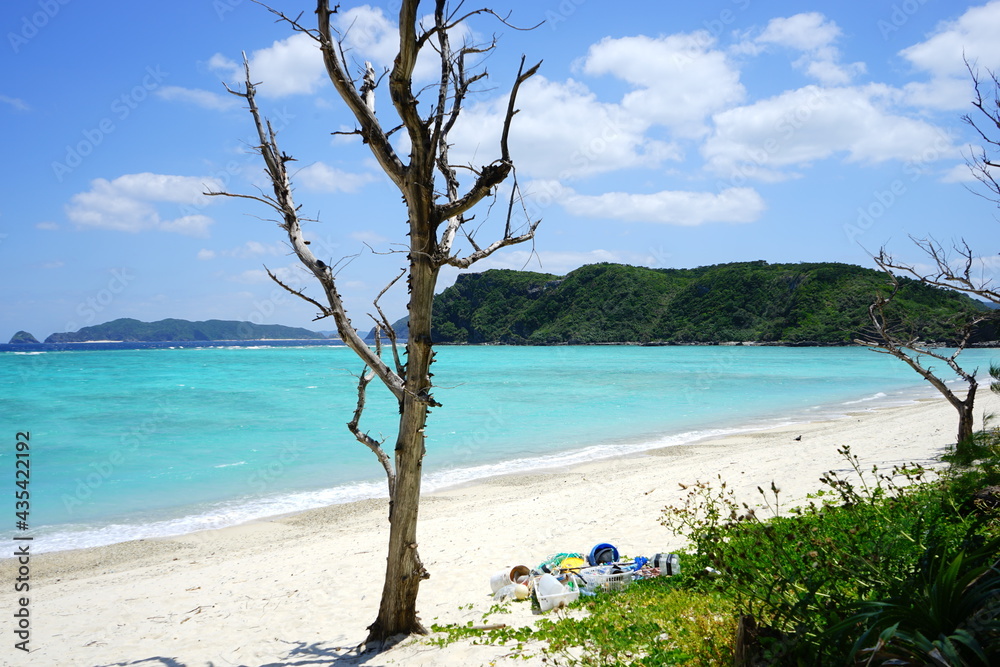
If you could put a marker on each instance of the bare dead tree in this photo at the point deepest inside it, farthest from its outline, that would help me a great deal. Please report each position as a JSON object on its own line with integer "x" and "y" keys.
{"x": 889, "y": 339}
{"x": 436, "y": 219}
{"x": 955, "y": 269}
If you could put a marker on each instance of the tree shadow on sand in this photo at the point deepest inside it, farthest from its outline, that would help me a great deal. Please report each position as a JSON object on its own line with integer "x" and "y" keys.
{"x": 301, "y": 654}
{"x": 304, "y": 654}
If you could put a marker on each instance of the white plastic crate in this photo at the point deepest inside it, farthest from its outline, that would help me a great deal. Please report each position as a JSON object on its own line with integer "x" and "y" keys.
{"x": 602, "y": 578}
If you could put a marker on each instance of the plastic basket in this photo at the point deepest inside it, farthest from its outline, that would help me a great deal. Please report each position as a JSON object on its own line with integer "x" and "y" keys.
{"x": 558, "y": 600}
{"x": 604, "y": 579}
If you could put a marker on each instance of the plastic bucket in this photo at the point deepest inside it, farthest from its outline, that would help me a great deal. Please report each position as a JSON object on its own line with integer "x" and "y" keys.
{"x": 507, "y": 577}
{"x": 602, "y": 553}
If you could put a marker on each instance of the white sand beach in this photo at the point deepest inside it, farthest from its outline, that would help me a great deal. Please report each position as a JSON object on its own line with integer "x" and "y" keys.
{"x": 301, "y": 589}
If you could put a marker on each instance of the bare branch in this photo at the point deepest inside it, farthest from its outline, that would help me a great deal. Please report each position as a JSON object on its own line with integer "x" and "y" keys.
{"x": 336, "y": 69}
{"x": 989, "y": 117}
{"x": 390, "y": 332}
{"x": 945, "y": 273}
{"x": 492, "y": 174}
{"x": 275, "y": 162}
{"x": 910, "y": 350}
{"x": 324, "y": 311}
{"x": 365, "y": 439}
{"x": 469, "y": 260}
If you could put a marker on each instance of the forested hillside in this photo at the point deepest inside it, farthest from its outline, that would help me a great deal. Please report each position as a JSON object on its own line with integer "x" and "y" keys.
{"x": 819, "y": 303}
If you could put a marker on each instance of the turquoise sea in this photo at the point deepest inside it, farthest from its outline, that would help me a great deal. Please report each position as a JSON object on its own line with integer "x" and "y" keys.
{"x": 139, "y": 443}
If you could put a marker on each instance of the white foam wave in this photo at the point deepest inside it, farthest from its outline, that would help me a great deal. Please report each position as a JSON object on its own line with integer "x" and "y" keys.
{"x": 866, "y": 399}
{"x": 220, "y": 515}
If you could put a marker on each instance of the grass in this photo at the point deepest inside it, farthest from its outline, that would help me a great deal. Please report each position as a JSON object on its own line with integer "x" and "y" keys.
{"x": 879, "y": 567}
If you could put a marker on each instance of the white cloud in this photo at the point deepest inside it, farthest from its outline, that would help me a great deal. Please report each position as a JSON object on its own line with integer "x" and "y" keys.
{"x": 324, "y": 178}
{"x": 295, "y": 65}
{"x": 368, "y": 35}
{"x": 292, "y": 275}
{"x": 672, "y": 207}
{"x": 562, "y": 131}
{"x": 248, "y": 250}
{"x": 804, "y": 32}
{"x": 202, "y": 98}
{"x": 814, "y": 35}
{"x": 801, "y": 126}
{"x": 287, "y": 67}
{"x": 132, "y": 203}
{"x": 679, "y": 80}
{"x": 15, "y": 102}
{"x": 960, "y": 173}
{"x": 972, "y": 36}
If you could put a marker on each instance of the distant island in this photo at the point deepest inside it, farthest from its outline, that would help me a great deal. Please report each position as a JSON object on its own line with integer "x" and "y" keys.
{"x": 23, "y": 338}
{"x": 789, "y": 304}
{"x": 173, "y": 330}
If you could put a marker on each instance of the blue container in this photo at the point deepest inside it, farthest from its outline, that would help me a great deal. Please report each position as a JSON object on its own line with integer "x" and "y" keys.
{"x": 602, "y": 553}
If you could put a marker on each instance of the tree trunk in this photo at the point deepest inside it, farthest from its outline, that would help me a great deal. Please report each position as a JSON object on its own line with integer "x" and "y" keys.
{"x": 404, "y": 570}
{"x": 427, "y": 210}
{"x": 966, "y": 420}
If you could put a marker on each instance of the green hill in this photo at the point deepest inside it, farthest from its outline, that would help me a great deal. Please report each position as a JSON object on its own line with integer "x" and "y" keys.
{"x": 129, "y": 330}
{"x": 22, "y": 338}
{"x": 818, "y": 303}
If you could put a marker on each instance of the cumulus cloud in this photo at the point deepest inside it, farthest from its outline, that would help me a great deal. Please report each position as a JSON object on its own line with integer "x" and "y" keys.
{"x": 563, "y": 131}
{"x": 802, "y": 126}
{"x": 814, "y": 36}
{"x": 672, "y": 207}
{"x": 678, "y": 80}
{"x": 135, "y": 203}
{"x": 287, "y": 67}
{"x": 972, "y": 36}
{"x": 960, "y": 173}
{"x": 201, "y": 98}
{"x": 322, "y": 177}
{"x": 294, "y": 65}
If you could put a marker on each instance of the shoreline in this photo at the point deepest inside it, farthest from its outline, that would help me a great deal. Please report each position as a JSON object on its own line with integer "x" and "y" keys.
{"x": 305, "y": 584}
{"x": 220, "y": 516}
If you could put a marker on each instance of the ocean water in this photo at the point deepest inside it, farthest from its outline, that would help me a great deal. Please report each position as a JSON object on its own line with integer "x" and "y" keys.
{"x": 139, "y": 443}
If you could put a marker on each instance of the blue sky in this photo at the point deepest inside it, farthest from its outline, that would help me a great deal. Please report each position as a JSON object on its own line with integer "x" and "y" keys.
{"x": 655, "y": 134}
